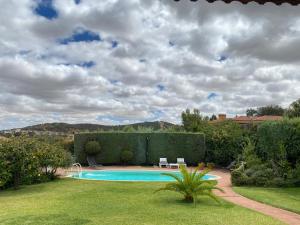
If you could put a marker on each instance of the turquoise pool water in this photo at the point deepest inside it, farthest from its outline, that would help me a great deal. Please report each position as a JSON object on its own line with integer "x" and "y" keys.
{"x": 129, "y": 175}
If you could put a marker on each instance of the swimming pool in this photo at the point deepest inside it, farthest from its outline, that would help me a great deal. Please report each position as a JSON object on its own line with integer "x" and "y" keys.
{"x": 130, "y": 175}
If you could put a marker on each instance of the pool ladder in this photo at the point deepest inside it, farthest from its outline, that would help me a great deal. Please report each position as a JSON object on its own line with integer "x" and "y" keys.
{"x": 78, "y": 168}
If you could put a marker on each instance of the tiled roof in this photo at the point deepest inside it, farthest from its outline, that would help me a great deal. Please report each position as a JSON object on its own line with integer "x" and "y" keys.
{"x": 257, "y": 118}
{"x": 265, "y": 118}
{"x": 277, "y": 2}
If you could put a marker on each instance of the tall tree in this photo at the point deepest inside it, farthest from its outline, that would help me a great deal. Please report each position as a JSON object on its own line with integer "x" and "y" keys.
{"x": 270, "y": 110}
{"x": 294, "y": 109}
{"x": 213, "y": 117}
{"x": 194, "y": 121}
{"x": 251, "y": 112}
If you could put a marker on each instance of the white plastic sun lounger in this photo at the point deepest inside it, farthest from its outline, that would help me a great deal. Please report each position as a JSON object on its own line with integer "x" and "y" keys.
{"x": 163, "y": 162}
{"x": 180, "y": 161}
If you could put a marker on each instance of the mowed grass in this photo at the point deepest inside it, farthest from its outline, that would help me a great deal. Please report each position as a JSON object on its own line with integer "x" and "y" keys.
{"x": 70, "y": 201}
{"x": 285, "y": 198}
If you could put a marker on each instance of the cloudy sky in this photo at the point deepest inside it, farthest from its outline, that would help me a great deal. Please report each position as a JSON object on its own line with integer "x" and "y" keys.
{"x": 118, "y": 62}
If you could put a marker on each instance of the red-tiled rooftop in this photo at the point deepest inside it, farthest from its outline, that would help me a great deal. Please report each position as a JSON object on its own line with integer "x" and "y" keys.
{"x": 257, "y": 118}
{"x": 277, "y": 2}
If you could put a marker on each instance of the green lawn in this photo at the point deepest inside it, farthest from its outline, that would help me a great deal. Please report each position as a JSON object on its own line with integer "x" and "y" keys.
{"x": 286, "y": 198}
{"x": 69, "y": 201}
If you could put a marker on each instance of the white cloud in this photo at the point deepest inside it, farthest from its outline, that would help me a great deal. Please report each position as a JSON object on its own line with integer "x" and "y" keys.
{"x": 176, "y": 45}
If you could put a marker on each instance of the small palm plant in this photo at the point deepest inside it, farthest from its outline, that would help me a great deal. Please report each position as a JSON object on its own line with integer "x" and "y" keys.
{"x": 191, "y": 184}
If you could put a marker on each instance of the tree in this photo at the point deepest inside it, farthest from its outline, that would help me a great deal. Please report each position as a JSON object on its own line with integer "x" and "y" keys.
{"x": 251, "y": 112}
{"x": 213, "y": 117}
{"x": 294, "y": 109}
{"x": 270, "y": 110}
{"x": 194, "y": 121}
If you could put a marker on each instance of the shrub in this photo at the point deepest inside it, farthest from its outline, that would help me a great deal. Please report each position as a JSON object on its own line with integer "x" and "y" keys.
{"x": 22, "y": 160}
{"x": 258, "y": 172}
{"x": 239, "y": 178}
{"x": 191, "y": 184}
{"x": 92, "y": 148}
{"x": 51, "y": 157}
{"x": 224, "y": 143}
{"x": 126, "y": 156}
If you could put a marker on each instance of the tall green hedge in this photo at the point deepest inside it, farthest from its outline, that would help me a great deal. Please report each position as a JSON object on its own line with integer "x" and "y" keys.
{"x": 270, "y": 135}
{"x": 147, "y": 147}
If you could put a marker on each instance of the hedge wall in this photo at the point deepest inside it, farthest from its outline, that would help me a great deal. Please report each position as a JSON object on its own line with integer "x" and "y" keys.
{"x": 270, "y": 135}
{"x": 147, "y": 147}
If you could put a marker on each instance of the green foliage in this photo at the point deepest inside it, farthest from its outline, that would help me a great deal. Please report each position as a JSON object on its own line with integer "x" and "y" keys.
{"x": 213, "y": 117}
{"x": 51, "y": 157}
{"x": 194, "y": 121}
{"x": 224, "y": 143}
{"x": 251, "y": 112}
{"x": 26, "y": 160}
{"x": 92, "y": 148}
{"x": 146, "y": 147}
{"x": 191, "y": 184}
{"x": 223, "y": 139}
{"x": 274, "y": 110}
{"x": 128, "y": 129}
{"x": 294, "y": 109}
{"x": 68, "y": 145}
{"x": 273, "y": 136}
{"x": 126, "y": 156}
{"x": 256, "y": 171}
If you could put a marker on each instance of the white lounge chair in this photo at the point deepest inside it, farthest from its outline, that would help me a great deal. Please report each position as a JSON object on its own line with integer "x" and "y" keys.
{"x": 163, "y": 162}
{"x": 180, "y": 161}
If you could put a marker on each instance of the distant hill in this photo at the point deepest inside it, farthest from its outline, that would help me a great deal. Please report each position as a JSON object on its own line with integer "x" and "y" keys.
{"x": 70, "y": 128}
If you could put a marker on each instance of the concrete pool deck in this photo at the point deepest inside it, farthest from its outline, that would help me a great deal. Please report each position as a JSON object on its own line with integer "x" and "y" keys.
{"x": 224, "y": 182}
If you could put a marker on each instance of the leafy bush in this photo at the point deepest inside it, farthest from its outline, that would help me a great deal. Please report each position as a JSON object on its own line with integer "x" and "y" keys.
{"x": 191, "y": 184}
{"x": 253, "y": 170}
{"x": 224, "y": 143}
{"x": 92, "y": 148}
{"x": 26, "y": 160}
{"x": 126, "y": 156}
{"x": 271, "y": 136}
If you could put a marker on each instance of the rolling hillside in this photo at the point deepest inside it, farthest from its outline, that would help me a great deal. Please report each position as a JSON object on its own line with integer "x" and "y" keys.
{"x": 70, "y": 128}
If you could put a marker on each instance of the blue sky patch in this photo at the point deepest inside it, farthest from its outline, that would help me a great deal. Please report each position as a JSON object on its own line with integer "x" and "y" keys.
{"x": 87, "y": 64}
{"x": 45, "y": 8}
{"x": 222, "y": 58}
{"x": 114, "y": 44}
{"x": 142, "y": 60}
{"x": 212, "y": 96}
{"x": 81, "y": 36}
{"x": 160, "y": 87}
{"x": 77, "y": 2}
